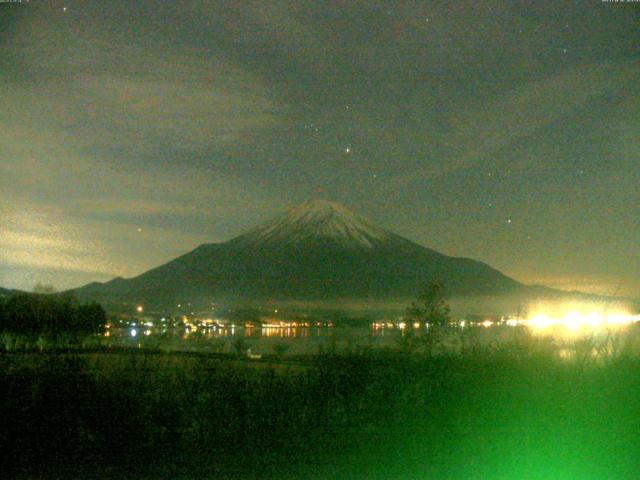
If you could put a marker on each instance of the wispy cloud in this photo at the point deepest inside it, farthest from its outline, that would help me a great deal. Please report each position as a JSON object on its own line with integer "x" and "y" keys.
{"x": 475, "y": 134}
{"x": 84, "y": 140}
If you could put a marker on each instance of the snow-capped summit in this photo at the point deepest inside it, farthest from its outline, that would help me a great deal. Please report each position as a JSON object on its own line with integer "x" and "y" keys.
{"x": 319, "y": 219}
{"x": 318, "y": 250}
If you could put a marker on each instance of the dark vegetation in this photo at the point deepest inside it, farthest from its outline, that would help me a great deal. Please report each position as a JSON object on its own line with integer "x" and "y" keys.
{"x": 509, "y": 410}
{"x": 431, "y": 306}
{"x": 33, "y": 315}
{"x": 491, "y": 414}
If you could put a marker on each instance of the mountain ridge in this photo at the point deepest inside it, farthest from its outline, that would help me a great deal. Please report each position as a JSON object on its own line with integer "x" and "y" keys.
{"x": 318, "y": 250}
{"x": 9, "y": 292}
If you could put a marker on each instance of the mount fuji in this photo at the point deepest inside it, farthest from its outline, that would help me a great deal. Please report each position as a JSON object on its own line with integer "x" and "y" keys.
{"x": 318, "y": 250}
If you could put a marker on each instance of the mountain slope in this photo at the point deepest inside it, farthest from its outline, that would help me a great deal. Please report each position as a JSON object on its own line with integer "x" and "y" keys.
{"x": 318, "y": 250}
{"x": 5, "y": 293}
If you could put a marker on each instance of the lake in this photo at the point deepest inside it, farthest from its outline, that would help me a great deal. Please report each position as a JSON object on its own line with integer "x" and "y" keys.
{"x": 565, "y": 334}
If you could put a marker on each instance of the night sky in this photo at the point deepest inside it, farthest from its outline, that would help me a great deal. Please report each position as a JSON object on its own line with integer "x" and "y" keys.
{"x": 505, "y": 131}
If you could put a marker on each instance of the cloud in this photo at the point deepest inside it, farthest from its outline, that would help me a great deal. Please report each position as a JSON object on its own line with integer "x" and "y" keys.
{"x": 112, "y": 88}
{"x": 143, "y": 113}
{"x": 80, "y": 170}
{"x": 520, "y": 113}
{"x": 44, "y": 238}
{"x": 41, "y": 240}
{"x": 475, "y": 134}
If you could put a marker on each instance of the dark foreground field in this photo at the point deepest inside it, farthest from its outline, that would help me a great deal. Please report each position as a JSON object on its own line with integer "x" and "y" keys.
{"x": 489, "y": 415}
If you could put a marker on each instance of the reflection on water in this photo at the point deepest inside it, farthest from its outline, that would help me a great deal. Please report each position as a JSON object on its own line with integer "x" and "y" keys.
{"x": 259, "y": 339}
{"x": 301, "y": 338}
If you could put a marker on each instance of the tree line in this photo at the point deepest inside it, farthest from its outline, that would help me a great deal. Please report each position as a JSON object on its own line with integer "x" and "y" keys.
{"x": 35, "y": 314}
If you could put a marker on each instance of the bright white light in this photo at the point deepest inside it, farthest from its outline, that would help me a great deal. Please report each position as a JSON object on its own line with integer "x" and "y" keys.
{"x": 573, "y": 320}
{"x": 487, "y": 323}
{"x": 620, "y": 319}
{"x": 576, "y": 320}
{"x": 594, "y": 319}
{"x": 133, "y": 332}
{"x": 540, "y": 321}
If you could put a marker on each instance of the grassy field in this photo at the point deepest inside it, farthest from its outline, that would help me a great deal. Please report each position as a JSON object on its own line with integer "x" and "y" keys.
{"x": 514, "y": 412}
